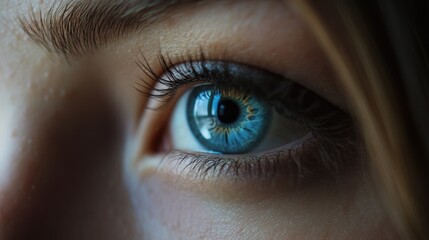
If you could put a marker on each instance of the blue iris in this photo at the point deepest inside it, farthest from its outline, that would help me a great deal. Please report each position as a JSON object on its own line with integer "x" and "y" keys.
{"x": 227, "y": 121}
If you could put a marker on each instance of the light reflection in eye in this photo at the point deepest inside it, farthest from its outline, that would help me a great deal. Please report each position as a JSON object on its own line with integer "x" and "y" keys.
{"x": 229, "y": 122}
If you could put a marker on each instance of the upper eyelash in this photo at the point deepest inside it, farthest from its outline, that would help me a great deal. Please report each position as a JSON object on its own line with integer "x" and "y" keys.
{"x": 150, "y": 78}
{"x": 171, "y": 80}
{"x": 319, "y": 115}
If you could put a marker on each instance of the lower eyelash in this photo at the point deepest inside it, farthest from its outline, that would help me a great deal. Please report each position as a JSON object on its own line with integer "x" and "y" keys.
{"x": 295, "y": 164}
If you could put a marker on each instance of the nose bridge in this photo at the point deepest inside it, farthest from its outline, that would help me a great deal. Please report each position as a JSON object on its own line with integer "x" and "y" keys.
{"x": 63, "y": 162}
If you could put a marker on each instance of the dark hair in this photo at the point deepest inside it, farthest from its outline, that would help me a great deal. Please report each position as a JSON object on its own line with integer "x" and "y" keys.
{"x": 380, "y": 51}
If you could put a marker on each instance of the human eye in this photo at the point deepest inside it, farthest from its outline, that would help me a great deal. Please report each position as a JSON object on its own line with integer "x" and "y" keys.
{"x": 243, "y": 125}
{"x": 233, "y": 120}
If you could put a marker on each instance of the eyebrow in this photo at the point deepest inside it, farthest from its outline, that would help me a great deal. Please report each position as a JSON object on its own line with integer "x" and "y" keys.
{"x": 80, "y": 27}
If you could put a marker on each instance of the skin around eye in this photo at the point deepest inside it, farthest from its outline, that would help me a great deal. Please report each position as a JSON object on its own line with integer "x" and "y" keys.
{"x": 256, "y": 204}
{"x": 216, "y": 199}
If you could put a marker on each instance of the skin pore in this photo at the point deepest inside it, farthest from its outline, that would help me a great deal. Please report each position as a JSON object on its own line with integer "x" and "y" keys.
{"x": 75, "y": 161}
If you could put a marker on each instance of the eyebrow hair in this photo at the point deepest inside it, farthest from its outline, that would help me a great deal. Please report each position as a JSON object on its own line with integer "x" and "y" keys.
{"x": 81, "y": 27}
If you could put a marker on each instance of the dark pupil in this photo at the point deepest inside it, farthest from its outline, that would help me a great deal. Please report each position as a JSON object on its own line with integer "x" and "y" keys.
{"x": 228, "y": 111}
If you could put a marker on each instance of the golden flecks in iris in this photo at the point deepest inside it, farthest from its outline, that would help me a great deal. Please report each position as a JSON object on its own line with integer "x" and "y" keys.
{"x": 244, "y": 101}
{"x": 236, "y": 96}
{"x": 251, "y": 111}
{"x": 222, "y": 130}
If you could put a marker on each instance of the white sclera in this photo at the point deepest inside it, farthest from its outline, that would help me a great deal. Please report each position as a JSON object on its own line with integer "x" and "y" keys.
{"x": 281, "y": 132}
{"x": 181, "y": 135}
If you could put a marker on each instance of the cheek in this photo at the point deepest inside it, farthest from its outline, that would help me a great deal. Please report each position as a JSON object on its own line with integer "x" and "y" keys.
{"x": 346, "y": 210}
{"x": 67, "y": 168}
{"x": 166, "y": 213}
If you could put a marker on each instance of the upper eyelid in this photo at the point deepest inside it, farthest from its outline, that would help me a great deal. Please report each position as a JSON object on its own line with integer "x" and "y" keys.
{"x": 289, "y": 98}
{"x": 176, "y": 72}
{"x": 78, "y": 28}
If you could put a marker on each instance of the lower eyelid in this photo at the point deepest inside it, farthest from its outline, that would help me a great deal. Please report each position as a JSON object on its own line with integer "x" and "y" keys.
{"x": 289, "y": 165}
